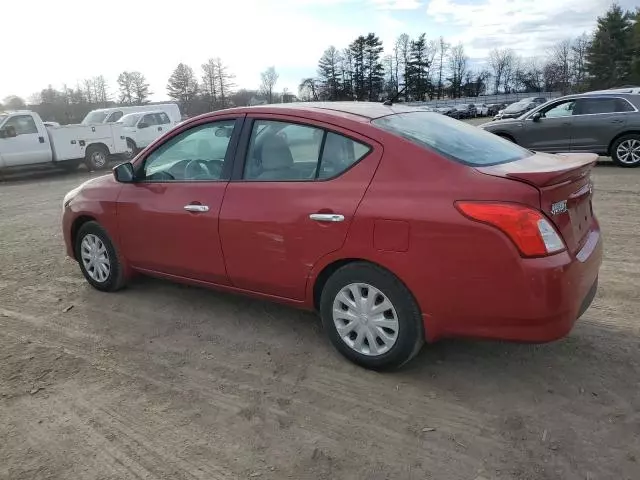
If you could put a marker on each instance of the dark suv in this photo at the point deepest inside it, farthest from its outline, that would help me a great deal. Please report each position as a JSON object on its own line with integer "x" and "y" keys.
{"x": 606, "y": 124}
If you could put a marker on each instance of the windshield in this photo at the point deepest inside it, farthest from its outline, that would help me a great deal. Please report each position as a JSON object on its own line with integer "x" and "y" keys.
{"x": 453, "y": 139}
{"x": 516, "y": 107}
{"x": 2, "y": 117}
{"x": 130, "y": 120}
{"x": 95, "y": 117}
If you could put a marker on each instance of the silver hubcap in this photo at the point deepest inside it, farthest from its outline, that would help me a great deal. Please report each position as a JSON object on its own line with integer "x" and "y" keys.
{"x": 98, "y": 159}
{"x": 95, "y": 258}
{"x": 629, "y": 151}
{"x": 365, "y": 319}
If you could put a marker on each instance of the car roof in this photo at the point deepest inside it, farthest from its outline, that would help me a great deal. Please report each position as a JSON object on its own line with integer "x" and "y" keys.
{"x": 364, "y": 111}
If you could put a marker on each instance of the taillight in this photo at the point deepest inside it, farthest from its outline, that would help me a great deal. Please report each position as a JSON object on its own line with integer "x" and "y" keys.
{"x": 528, "y": 228}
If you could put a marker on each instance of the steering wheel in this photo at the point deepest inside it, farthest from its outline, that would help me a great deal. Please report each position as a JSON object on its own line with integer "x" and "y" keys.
{"x": 199, "y": 170}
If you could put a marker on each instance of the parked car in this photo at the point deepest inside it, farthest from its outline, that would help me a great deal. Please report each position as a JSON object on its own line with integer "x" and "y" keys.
{"x": 113, "y": 114}
{"x": 140, "y": 129}
{"x": 606, "y": 124}
{"x": 494, "y": 108}
{"x": 466, "y": 110}
{"x": 26, "y": 140}
{"x": 516, "y": 109}
{"x": 482, "y": 109}
{"x": 508, "y": 247}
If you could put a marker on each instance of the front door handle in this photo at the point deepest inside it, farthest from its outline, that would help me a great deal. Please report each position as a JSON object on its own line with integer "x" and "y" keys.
{"x": 327, "y": 217}
{"x": 617, "y": 121}
{"x": 159, "y": 129}
{"x": 196, "y": 208}
{"x": 41, "y": 139}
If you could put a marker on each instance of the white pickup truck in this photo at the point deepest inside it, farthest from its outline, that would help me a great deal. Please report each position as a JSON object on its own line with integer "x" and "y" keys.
{"x": 26, "y": 140}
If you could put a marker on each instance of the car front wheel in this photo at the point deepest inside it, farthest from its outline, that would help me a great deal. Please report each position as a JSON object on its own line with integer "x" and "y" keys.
{"x": 625, "y": 151}
{"x": 98, "y": 259}
{"x": 371, "y": 317}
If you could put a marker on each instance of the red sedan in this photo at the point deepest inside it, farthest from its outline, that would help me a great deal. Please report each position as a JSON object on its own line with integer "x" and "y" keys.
{"x": 397, "y": 225}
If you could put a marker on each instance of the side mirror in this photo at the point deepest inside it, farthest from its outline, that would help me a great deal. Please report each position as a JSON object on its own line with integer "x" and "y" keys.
{"x": 143, "y": 125}
{"x": 123, "y": 173}
{"x": 536, "y": 117}
{"x": 8, "y": 132}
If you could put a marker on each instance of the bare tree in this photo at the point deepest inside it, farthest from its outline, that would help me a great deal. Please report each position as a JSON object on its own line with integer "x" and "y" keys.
{"x": 501, "y": 63}
{"x": 443, "y": 47}
{"x": 458, "y": 68}
{"x": 579, "y": 51}
{"x": 140, "y": 88}
{"x": 209, "y": 85}
{"x": 100, "y": 90}
{"x": 225, "y": 80}
{"x": 308, "y": 89}
{"x": 560, "y": 57}
{"x": 269, "y": 80}
{"x": 402, "y": 55}
{"x": 125, "y": 84}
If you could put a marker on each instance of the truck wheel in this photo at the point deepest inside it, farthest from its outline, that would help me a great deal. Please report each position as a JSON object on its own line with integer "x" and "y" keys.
{"x": 96, "y": 157}
{"x": 132, "y": 149}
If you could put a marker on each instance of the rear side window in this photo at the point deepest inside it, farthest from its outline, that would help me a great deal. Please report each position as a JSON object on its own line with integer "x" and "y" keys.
{"x": 590, "y": 106}
{"x": 453, "y": 139}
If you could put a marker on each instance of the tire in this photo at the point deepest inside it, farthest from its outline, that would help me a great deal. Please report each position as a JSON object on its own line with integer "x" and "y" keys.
{"x": 409, "y": 330}
{"x": 132, "y": 149}
{"x": 96, "y": 236}
{"x": 629, "y": 144}
{"x": 69, "y": 165}
{"x": 96, "y": 157}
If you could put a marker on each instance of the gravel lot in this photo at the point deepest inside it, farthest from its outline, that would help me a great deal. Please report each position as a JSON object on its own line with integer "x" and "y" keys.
{"x": 163, "y": 381}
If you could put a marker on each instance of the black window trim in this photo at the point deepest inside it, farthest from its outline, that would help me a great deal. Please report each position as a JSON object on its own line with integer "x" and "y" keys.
{"x": 584, "y": 97}
{"x": 245, "y": 138}
{"x": 20, "y": 115}
{"x": 229, "y": 158}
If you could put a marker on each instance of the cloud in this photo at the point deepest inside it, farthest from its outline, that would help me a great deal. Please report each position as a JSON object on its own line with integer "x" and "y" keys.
{"x": 397, "y": 4}
{"x": 529, "y": 27}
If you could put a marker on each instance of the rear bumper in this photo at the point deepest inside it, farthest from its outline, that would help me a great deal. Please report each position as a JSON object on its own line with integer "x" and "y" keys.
{"x": 541, "y": 302}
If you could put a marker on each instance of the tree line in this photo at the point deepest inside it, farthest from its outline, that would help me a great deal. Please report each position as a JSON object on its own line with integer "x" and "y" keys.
{"x": 420, "y": 69}
{"x": 214, "y": 90}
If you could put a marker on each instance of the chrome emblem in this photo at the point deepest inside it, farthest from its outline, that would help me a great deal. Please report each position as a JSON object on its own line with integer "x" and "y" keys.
{"x": 559, "y": 207}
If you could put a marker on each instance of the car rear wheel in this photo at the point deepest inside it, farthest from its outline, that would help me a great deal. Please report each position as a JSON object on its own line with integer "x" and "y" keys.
{"x": 98, "y": 259}
{"x": 96, "y": 157}
{"x": 371, "y": 317}
{"x": 625, "y": 151}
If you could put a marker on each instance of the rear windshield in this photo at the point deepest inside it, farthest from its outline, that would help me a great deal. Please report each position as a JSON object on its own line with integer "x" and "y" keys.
{"x": 453, "y": 139}
{"x": 95, "y": 117}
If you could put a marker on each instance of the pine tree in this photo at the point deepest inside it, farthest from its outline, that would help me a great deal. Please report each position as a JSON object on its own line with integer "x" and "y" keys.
{"x": 140, "y": 88}
{"x": 417, "y": 73}
{"x": 635, "y": 49}
{"x": 357, "y": 49}
{"x": 374, "y": 69}
{"x": 183, "y": 86}
{"x": 609, "y": 55}
{"x": 329, "y": 74}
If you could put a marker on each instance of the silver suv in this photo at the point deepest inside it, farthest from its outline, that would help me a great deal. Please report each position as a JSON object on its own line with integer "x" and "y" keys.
{"x": 602, "y": 123}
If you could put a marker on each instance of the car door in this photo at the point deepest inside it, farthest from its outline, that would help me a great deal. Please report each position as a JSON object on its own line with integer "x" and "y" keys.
{"x": 163, "y": 122}
{"x": 552, "y": 130}
{"x": 168, "y": 218}
{"x": 147, "y": 130}
{"x": 29, "y": 145}
{"x": 293, "y": 201}
{"x": 597, "y": 121}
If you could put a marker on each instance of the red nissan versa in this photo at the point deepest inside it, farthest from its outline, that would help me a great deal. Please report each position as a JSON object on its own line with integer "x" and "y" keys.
{"x": 398, "y": 225}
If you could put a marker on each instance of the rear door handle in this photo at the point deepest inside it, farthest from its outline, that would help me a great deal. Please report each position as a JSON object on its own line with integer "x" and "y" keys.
{"x": 617, "y": 121}
{"x": 196, "y": 208}
{"x": 327, "y": 217}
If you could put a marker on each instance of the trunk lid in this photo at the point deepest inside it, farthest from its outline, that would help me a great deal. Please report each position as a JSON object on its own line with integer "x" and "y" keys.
{"x": 564, "y": 183}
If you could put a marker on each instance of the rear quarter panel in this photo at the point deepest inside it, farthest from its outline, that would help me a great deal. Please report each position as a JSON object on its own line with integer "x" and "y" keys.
{"x": 452, "y": 264}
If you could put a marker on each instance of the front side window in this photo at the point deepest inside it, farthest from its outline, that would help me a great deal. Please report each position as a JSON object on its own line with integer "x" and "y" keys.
{"x": 451, "y": 138}
{"x": 94, "y": 117}
{"x": 196, "y": 154}
{"x": 130, "y": 120}
{"x": 23, "y": 124}
{"x": 562, "y": 109}
{"x": 282, "y": 151}
{"x": 162, "y": 118}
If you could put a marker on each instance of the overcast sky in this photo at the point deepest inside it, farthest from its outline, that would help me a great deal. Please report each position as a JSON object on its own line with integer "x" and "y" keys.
{"x": 63, "y": 41}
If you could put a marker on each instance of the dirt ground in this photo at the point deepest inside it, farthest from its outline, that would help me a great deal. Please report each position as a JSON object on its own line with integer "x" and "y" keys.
{"x": 163, "y": 381}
